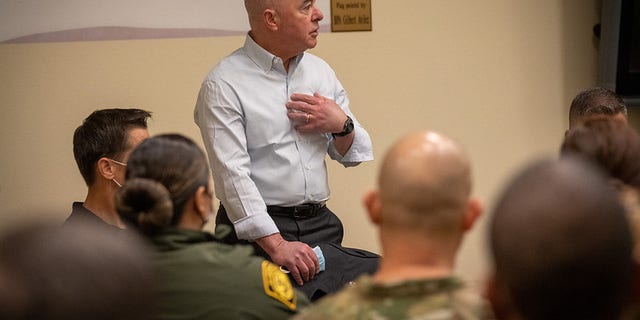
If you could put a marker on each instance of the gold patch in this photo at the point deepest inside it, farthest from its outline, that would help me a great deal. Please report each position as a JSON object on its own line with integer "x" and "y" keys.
{"x": 277, "y": 285}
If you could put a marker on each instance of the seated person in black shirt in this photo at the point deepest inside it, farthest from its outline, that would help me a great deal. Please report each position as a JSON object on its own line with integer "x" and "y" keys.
{"x": 101, "y": 147}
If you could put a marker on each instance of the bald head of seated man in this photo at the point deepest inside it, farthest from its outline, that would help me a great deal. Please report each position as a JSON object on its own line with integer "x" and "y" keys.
{"x": 422, "y": 206}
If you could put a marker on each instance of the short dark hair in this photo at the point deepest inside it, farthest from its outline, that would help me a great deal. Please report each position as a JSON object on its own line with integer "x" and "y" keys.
{"x": 595, "y": 101}
{"x": 163, "y": 173}
{"x": 609, "y": 144}
{"x": 103, "y": 134}
{"x": 561, "y": 243}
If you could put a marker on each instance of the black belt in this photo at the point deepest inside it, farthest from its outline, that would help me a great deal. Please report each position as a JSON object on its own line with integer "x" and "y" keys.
{"x": 300, "y": 211}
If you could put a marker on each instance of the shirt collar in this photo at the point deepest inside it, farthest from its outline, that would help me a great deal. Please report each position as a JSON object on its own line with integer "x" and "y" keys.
{"x": 264, "y": 59}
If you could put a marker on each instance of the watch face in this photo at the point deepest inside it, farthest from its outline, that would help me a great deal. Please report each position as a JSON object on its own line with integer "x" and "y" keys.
{"x": 348, "y": 125}
{"x": 346, "y": 129}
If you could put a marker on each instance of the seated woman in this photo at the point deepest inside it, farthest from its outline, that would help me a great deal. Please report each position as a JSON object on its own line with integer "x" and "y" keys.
{"x": 168, "y": 198}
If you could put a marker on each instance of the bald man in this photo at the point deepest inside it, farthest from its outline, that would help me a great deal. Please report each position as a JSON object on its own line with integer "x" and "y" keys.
{"x": 422, "y": 207}
{"x": 269, "y": 114}
{"x": 561, "y": 245}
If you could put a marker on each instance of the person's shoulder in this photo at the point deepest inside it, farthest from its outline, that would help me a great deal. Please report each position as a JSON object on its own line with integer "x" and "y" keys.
{"x": 239, "y": 260}
{"x": 437, "y": 298}
{"x": 463, "y": 301}
{"x": 344, "y": 304}
{"x": 237, "y": 256}
{"x": 469, "y": 303}
{"x": 227, "y": 65}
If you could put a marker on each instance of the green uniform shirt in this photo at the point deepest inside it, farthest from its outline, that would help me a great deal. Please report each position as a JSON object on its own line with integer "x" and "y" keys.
{"x": 440, "y": 299}
{"x": 199, "y": 278}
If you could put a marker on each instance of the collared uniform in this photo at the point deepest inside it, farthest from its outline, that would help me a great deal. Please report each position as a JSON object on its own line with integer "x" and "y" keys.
{"x": 199, "y": 278}
{"x": 439, "y": 298}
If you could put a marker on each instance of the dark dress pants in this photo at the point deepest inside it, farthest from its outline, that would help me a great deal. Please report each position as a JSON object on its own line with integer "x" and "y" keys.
{"x": 323, "y": 229}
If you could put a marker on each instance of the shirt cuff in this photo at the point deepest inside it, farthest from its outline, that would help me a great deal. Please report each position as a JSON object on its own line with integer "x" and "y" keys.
{"x": 359, "y": 151}
{"x": 255, "y": 227}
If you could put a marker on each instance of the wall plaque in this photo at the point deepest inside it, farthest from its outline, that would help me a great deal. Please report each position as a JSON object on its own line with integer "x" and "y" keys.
{"x": 350, "y": 15}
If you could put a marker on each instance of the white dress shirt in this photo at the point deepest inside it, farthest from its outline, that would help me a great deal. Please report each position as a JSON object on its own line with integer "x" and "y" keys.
{"x": 257, "y": 157}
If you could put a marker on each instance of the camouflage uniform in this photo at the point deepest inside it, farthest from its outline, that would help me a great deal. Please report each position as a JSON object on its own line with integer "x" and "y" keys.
{"x": 440, "y": 298}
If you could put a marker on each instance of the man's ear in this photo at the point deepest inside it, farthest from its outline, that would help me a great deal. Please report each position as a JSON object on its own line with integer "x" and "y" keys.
{"x": 271, "y": 19}
{"x": 471, "y": 214}
{"x": 371, "y": 201}
{"x": 104, "y": 167}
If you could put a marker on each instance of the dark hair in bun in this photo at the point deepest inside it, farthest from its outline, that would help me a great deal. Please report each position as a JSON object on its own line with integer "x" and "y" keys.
{"x": 145, "y": 203}
{"x": 163, "y": 174}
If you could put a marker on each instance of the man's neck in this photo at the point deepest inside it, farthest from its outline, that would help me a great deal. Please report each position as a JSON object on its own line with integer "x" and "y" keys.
{"x": 410, "y": 272}
{"x": 286, "y": 57}
{"x": 102, "y": 205}
{"x": 414, "y": 261}
{"x": 395, "y": 270}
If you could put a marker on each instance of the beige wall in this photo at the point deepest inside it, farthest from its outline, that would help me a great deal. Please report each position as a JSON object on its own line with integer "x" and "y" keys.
{"x": 496, "y": 75}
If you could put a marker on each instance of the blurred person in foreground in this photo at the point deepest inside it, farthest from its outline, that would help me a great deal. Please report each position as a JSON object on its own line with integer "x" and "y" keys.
{"x": 561, "y": 245}
{"x": 77, "y": 272}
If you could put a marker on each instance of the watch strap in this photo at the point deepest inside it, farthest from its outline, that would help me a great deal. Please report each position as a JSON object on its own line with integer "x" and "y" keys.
{"x": 346, "y": 128}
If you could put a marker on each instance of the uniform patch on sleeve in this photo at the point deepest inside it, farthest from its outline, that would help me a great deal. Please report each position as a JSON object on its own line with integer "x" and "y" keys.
{"x": 277, "y": 285}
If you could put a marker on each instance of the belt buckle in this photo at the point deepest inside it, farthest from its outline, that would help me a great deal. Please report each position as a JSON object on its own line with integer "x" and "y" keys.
{"x": 312, "y": 210}
{"x": 295, "y": 213}
{"x": 306, "y": 210}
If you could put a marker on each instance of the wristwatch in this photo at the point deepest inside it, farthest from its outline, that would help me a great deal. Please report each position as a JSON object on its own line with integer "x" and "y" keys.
{"x": 346, "y": 128}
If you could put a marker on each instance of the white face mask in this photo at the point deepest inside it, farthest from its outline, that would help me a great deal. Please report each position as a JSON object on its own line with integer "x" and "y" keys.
{"x": 122, "y": 164}
{"x": 210, "y": 214}
{"x": 207, "y": 218}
